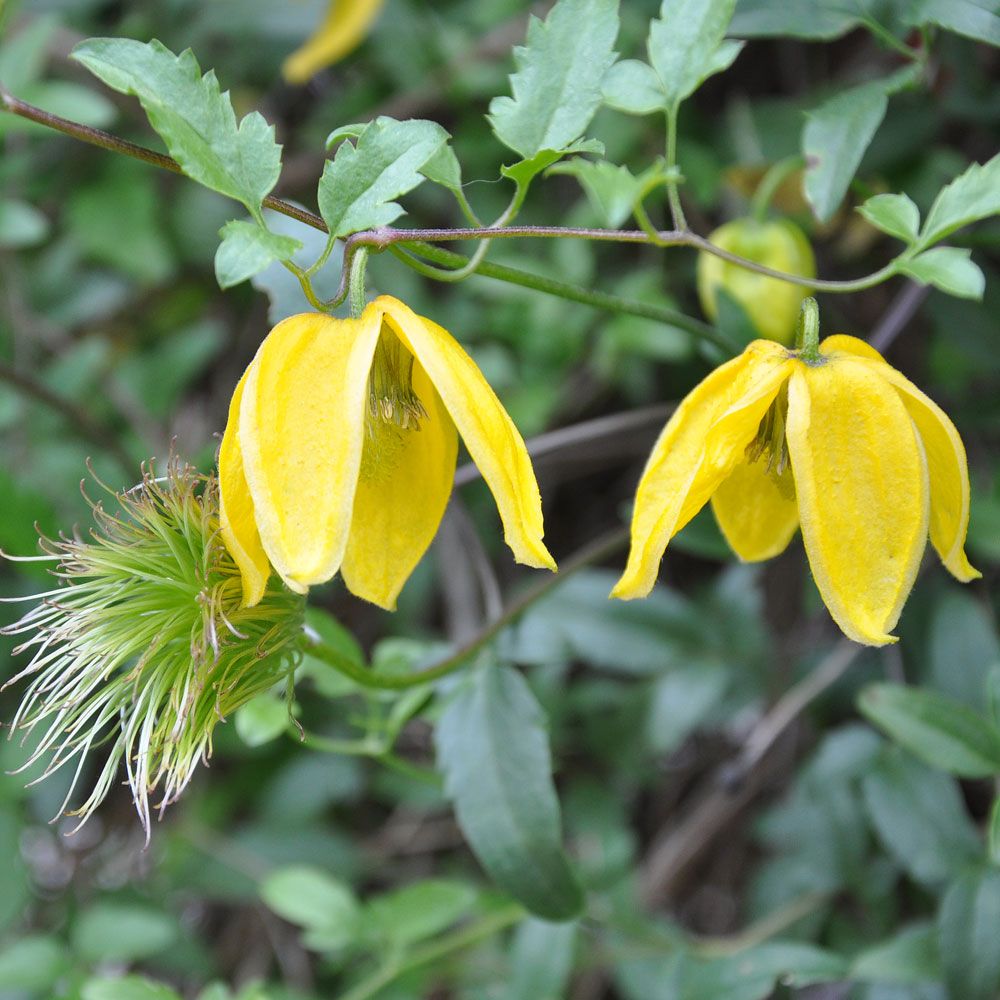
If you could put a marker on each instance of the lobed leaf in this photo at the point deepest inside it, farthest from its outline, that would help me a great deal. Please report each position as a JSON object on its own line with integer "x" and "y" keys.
{"x": 895, "y": 214}
{"x": 192, "y": 115}
{"x": 632, "y": 86}
{"x": 949, "y": 268}
{"x": 557, "y": 86}
{"x": 359, "y": 184}
{"x": 973, "y": 195}
{"x": 686, "y": 44}
{"x": 247, "y": 248}
{"x": 612, "y": 190}
{"x": 494, "y": 752}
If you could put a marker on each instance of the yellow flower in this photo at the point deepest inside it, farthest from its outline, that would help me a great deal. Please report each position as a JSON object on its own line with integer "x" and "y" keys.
{"x": 340, "y": 448}
{"x": 345, "y": 25}
{"x": 834, "y": 440}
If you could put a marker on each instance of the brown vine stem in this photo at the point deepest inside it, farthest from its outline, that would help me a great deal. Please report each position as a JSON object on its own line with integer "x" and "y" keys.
{"x": 382, "y": 238}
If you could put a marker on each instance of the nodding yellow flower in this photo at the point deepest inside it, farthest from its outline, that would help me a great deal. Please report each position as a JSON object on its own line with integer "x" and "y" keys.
{"x": 342, "y": 30}
{"x": 833, "y": 440}
{"x": 340, "y": 449}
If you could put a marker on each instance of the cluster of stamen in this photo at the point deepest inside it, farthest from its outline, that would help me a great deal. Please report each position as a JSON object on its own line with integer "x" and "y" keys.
{"x": 391, "y": 399}
{"x": 770, "y": 439}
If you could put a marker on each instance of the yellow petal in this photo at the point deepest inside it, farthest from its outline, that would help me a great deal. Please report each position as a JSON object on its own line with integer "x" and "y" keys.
{"x": 756, "y": 512}
{"x": 946, "y": 462}
{"x": 861, "y": 483}
{"x": 302, "y": 430}
{"x": 696, "y": 451}
{"x": 343, "y": 28}
{"x": 406, "y": 479}
{"x": 236, "y": 515}
{"x": 488, "y": 432}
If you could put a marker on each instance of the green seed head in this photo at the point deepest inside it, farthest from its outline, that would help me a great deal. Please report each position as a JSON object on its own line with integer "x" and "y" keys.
{"x": 143, "y": 646}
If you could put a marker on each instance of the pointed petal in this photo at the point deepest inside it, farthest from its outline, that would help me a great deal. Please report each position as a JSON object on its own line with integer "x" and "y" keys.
{"x": 406, "y": 479}
{"x": 861, "y": 481}
{"x": 236, "y": 515}
{"x": 842, "y": 343}
{"x": 302, "y": 430}
{"x": 946, "y": 461}
{"x": 703, "y": 440}
{"x": 756, "y": 512}
{"x": 489, "y": 434}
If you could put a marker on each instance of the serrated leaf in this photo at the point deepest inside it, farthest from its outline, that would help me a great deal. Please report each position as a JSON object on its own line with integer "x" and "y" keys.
{"x": 686, "y": 44}
{"x": 920, "y": 818}
{"x": 942, "y": 732}
{"x": 967, "y": 935}
{"x": 192, "y": 115}
{"x": 949, "y": 268}
{"x": 359, "y": 184}
{"x": 632, "y": 86}
{"x": 971, "y": 196}
{"x": 246, "y": 249}
{"x": 557, "y": 86}
{"x": 611, "y": 189}
{"x": 494, "y": 752}
{"x": 895, "y": 214}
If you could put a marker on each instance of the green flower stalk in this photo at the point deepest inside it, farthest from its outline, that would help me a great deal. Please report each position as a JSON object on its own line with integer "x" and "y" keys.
{"x": 144, "y": 646}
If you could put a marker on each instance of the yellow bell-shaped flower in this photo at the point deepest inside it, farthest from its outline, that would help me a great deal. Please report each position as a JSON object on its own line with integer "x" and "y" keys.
{"x": 340, "y": 448}
{"x": 342, "y": 30}
{"x": 833, "y": 440}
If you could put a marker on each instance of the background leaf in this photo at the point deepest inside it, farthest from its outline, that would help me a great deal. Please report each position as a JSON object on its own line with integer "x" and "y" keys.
{"x": 967, "y": 923}
{"x": 494, "y": 752}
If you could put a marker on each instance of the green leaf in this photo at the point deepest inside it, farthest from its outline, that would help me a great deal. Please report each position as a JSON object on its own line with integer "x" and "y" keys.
{"x": 949, "y": 268}
{"x": 976, "y": 19}
{"x": 971, "y": 196}
{"x": 967, "y": 935}
{"x": 127, "y": 988}
{"x": 681, "y": 700}
{"x": 612, "y": 190}
{"x": 494, "y": 752}
{"x": 118, "y": 932}
{"x": 34, "y": 962}
{"x": 21, "y": 224}
{"x": 541, "y": 960}
{"x": 557, "y": 86}
{"x": 894, "y": 214}
{"x": 524, "y": 171}
{"x": 262, "y": 719}
{"x": 419, "y": 911}
{"x": 909, "y": 957}
{"x": 632, "y": 86}
{"x": 246, "y": 249}
{"x": 191, "y": 114}
{"x": 834, "y": 139}
{"x": 938, "y": 730}
{"x": 993, "y": 833}
{"x": 920, "y": 817}
{"x": 312, "y": 899}
{"x": 443, "y": 168}
{"x": 753, "y": 973}
{"x": 686, "y": 44}
{"x": 359, "y": 184}
{"x": 814, "y": 19}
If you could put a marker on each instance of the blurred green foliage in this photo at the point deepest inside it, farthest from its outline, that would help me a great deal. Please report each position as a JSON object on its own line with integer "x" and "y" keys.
{"x": 748, "y": 806}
